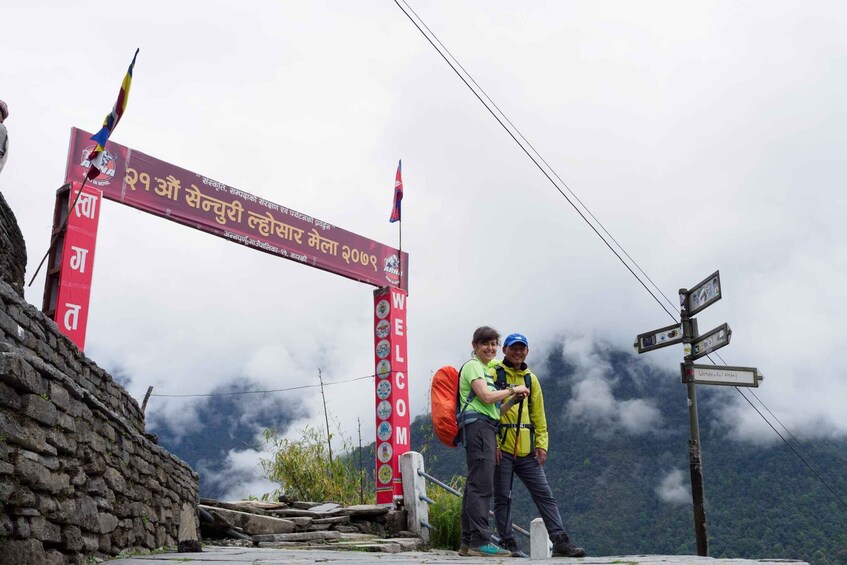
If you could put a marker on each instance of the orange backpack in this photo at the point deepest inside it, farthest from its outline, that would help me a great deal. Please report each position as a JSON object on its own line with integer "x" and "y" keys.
{"x": 444, "y": 395}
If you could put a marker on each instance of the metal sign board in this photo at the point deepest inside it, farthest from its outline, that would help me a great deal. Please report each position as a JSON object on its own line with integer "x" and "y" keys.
{"x": 143, "y": 182}
{"x": 710, "y": 341}
{"x": 720, "y": 375}
{"x": 657, "y": 339}
{"x": 704, "y": 294}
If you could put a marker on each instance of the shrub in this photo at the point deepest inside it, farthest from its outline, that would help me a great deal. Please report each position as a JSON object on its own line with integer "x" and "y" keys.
{"x": 303, "y": 469}
{"x": 445, "y": 515}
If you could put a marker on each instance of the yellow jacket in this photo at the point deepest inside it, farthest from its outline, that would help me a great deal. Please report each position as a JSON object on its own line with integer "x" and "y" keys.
{"x": 533, "y": 412}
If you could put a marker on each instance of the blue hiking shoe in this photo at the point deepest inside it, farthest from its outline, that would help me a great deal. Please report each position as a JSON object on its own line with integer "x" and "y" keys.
{"x": 489, "y": 550}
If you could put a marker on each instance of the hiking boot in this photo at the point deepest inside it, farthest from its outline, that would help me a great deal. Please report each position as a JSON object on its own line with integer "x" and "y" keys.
{"x": 562, "y": 547}
{"x": 488, "y": 550}
{"x": 463, "y": 550}
{"x": 511, "y": 546}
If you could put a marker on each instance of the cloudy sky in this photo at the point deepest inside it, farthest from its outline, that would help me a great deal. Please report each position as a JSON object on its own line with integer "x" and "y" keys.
{"x": 703, "y": 136}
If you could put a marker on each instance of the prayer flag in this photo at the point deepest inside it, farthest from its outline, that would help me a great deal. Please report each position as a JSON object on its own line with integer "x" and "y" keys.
{"x": 398, "y": 195}
{"x": 111, "y": 121}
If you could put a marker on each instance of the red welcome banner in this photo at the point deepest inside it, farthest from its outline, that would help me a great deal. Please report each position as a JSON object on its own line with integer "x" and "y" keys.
{"x": 392, "y": 391}
{"x": 144, "y": 182}
{"x": 77, "y": 264}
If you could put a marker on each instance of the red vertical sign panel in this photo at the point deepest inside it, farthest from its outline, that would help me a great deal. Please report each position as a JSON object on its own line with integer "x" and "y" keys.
{"x": 78, "y": 263}
{"x": 392, "y": 390}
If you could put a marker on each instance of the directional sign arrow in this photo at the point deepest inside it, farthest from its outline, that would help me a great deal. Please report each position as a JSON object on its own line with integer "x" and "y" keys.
{"x": 657, "y": 339}
{"x": 720, "y": 375}
{"x": 708, "y": 342}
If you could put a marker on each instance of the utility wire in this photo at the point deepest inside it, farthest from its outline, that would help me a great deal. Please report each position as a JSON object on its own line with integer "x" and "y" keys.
{"x": 535, "y": 161}
{"x": 795, "y": 451}
{"x": 263, "y": 391}
{"x": 578, "y": 211}
{"x": 806, "y": 449}
{"x": 541, "y": 158}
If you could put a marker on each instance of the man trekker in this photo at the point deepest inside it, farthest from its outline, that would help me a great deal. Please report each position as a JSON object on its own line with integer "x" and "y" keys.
{"x": 526, "y": 457}
{"x": 4, "y": 138}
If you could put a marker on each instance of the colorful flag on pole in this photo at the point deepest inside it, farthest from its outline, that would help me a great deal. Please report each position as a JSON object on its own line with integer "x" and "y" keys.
{"x": 398, "y": 195}
{"x": 109, "y": 124}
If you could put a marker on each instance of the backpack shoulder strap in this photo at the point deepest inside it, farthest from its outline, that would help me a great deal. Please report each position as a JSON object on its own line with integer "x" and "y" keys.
{"x": 471, "y": 394}
{"x": 500, "y": 383}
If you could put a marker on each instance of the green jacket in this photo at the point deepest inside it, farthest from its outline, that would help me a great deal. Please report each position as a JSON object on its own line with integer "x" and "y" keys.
{"x": 507, "y": 441}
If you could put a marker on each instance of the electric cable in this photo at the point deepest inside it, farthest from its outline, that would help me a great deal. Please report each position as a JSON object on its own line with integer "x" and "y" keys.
{"x": 558, "y": 188}
{"x": 542, "y": 159}
{"x": 533, "y": 159}
{"x": 263, "y": 391}
{"x": 795, "y": 451}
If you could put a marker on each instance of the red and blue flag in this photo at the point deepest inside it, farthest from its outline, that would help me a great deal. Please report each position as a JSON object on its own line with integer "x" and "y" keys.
{"x": 398, "y": 195}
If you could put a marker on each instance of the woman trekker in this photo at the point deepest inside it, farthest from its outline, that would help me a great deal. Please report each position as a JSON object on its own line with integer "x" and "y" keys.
{"x": 478, "y": 419}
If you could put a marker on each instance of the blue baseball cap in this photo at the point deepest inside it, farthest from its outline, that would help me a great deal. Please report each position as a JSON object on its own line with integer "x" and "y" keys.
{"x": 511, "y": 339}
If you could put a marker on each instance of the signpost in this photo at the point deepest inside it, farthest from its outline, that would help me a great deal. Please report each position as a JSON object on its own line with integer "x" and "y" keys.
{"x": 700, "y": 297}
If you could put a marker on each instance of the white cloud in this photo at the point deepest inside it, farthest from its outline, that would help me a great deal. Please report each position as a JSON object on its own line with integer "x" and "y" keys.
{"x": 702, "y": 137}
{"x": 673, "y": 488}
{"x": 593, "y": 402}
{"x": 240, "y": 477}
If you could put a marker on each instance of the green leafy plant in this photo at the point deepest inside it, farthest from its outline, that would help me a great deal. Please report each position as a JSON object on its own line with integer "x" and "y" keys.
{"x": 304, "y": 469}
{"x": 445, "y": 515}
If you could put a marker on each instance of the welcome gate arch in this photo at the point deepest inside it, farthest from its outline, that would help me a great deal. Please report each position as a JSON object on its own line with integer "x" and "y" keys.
{"x": 141, "y": 181}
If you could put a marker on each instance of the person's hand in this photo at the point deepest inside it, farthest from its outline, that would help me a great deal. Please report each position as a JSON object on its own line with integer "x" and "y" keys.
{"x": 540, "y": 455}
{"x": 521, "y": 391}
{"x": 497, "y": 455}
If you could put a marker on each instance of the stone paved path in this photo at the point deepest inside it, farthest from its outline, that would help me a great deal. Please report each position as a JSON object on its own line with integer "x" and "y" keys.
{"x": 257, "y": 556}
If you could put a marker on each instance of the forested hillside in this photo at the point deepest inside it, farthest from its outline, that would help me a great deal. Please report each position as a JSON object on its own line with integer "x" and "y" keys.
{"x": 625, "y": 489}
{"x": 618, "y": 463}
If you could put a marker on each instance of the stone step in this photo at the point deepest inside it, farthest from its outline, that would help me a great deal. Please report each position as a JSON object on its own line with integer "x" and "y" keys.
{"x": 297, "y": 536}
{"x": 253, "y": 524}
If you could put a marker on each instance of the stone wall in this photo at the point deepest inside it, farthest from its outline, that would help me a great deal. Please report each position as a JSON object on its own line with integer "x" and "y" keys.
{"x": 12, "y": 249}
{"x": 78, "y": 476}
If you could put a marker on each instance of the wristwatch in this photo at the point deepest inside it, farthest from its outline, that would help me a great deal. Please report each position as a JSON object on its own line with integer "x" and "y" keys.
{"x": 511, "y": 388}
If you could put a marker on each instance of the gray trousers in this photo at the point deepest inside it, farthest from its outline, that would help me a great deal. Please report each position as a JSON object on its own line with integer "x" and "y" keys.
{"x": 480, "y": 440}
{"x": 531, "y": 474}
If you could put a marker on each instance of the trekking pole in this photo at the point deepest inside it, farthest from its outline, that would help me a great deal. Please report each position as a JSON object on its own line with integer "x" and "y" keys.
{"x": 514, "y": 461}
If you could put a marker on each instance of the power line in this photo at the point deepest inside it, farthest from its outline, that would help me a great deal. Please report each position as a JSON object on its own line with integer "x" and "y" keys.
{"x": 327, "y": 383}
{"x": 562, "y": 193}
{"x": 542, "y": 159}
{"x": 835, "y": 494}
{"x": 799, "y": 444}
{"x": 534, "y": 160}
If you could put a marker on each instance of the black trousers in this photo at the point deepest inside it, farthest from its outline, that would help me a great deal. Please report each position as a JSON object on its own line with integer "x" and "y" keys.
{"x": 480, "y": 440}
{"x": 531, "y": 474}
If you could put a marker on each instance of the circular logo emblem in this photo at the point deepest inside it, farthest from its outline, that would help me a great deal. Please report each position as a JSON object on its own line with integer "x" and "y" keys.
{"x": 382, "y": 309}
{"x": 383, "y": 431}
{"x": 383, "y": 389}
{"x": 383, "y": 368}
{"x": 392, "y": 269}
{"x": 385, "y": 473}
{"x": 383, "y": 348}
{"x": 384, "y": 452}
{"x": 383, "y": 409}
{"x": 383, "y": 328}
{"x": 106, "y": 164}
